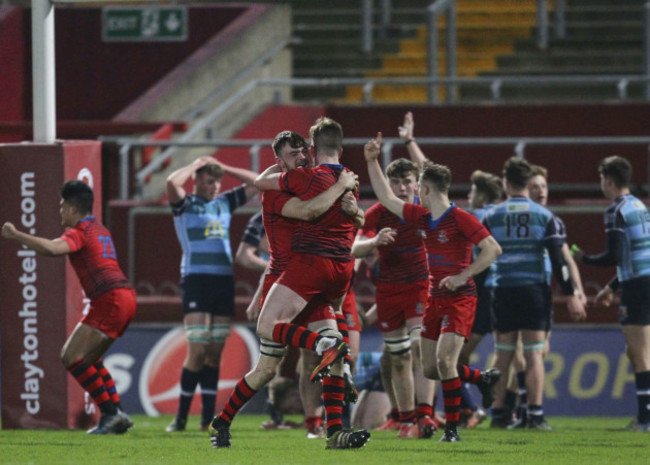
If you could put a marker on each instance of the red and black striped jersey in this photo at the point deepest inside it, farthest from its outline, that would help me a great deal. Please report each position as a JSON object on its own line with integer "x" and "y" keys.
{"x": 403, "y": 261}
{"x": 93, "y": 258}
{"x": 331, "y": 234}
{"x": 448, "y": 240}
{"x": 279, "y": 229}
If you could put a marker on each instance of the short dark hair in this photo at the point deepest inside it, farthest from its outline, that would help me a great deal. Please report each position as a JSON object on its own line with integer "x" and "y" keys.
{"x": 402, "y": 167}
{"x": 326, "y": 135}
{"x": 79, "y": 194}
{"x": 488, "y": 185}
{"x": 539, "y": 170}
{"x": 212, "y": 169}
{"x": 517, "y": 171}
{"x": 438, "y": 175}
{"x": 618, "y": 169}
{"x": 292, "y": 138}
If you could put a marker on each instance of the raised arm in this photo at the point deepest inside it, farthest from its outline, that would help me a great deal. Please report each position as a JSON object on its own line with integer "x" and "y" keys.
{"x": 176, "y": 180}
{"x": 40, "y": 245}
{"x": 245, "y": 176}
{"x": 379, "y": 184}
{"x": 406, "y": 134}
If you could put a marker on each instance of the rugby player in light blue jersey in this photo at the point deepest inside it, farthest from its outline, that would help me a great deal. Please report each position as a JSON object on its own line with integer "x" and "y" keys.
{"x": 538, "y": 191}
{"x": 525, "y": 229}
{"x": 202, "y": 222}
{"x": 627, "y": 225}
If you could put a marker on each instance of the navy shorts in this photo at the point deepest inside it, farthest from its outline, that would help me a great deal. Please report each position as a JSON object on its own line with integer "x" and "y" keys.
{"x": 522, "y": 307}
{"x": 483, "y": 323}
{"x": 208, "y": 293}
{"x": 635, "y": 302}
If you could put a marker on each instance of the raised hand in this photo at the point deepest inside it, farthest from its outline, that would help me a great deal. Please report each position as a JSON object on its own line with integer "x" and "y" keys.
{"x": 373, "y": 148}
{"x": 406, "y": 129}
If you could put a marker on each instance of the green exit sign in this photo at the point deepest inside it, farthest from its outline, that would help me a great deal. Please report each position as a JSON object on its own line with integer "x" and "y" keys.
{"x": 144, "y": 24}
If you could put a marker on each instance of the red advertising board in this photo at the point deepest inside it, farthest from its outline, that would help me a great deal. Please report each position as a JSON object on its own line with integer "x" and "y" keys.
{"x": 41, "y": 297}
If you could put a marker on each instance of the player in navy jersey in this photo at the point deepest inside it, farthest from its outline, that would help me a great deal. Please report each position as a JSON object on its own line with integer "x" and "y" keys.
{"x": 202, "y": 222}
{"x": 521, "y": 296}
{"x": 401, "y": 296}
{"x": 449, "y": 234}
{"x": 321, "y": 265}
{"x": 90, "y": 248}
{"x": 627, "y": 225}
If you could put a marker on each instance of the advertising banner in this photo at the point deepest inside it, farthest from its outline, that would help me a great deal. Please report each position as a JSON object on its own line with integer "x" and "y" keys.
{"x": 146, "y": 365}
{"x": 587, "y": 372}
{"x": 41, "y": 296}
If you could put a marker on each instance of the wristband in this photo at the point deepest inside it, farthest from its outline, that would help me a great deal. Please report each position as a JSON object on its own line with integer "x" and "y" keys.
{"x": 407, "y": 142}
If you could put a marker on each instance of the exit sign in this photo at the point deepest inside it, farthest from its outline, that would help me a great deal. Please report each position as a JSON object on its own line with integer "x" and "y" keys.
{"x": 144, "y": 24}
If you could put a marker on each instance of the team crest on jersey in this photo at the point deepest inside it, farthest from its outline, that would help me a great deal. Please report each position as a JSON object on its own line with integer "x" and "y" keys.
{"x": 442, "y": 237}
{"x": 419, "y": 308}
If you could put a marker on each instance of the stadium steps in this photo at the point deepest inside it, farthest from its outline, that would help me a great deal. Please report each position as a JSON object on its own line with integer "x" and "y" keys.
{"x": 485, "y": 30}
{"x": 603, "y": 37}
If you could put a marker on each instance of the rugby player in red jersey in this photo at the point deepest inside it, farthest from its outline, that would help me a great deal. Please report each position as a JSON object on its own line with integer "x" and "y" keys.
{"x": 402, "y": 290}
{"x": 280, "y": 210}
{"x": 321, "y": 265}
{"x": 90, "y": 248}
{"x": 449, "y": 234}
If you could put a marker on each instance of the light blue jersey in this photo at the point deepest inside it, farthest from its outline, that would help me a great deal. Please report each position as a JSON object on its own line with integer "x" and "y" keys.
{"x": 524, "y": 230}
{"x": 203, "y": 230}
{"x": 630, "y": 216}
{"x": 480, "y": 213}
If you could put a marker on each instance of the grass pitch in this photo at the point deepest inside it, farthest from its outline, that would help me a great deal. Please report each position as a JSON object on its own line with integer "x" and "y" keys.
{"x": 589, "y": 440}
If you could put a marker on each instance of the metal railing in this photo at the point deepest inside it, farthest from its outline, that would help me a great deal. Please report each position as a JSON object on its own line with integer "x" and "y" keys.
{"x": 495, "y": 83}
{"x": 205, "y": 120}
{"x": 367, "y": 15}
{"x": 437, "y": 8}
{"x": 619, "y": 82}
{"x": 542, "y": 22}
{"x": 518, "y": 145}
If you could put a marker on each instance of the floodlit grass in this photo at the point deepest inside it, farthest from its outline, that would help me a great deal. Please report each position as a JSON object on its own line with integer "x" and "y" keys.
{"x": 589, "y": 440}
